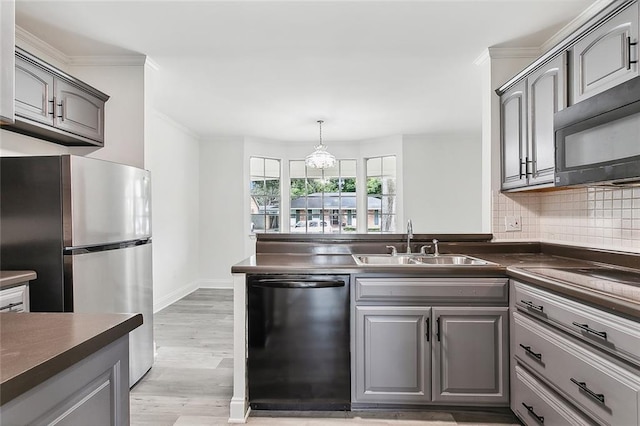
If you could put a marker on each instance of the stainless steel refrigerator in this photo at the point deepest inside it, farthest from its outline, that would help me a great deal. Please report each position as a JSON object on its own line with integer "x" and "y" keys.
{"x": 84, "y": 225}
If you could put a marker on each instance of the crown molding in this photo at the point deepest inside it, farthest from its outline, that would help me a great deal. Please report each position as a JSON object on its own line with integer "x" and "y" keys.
{"x": 105, "y": 60}
{"x": 574, "y": 25}
{"x": 40, "y": 45}
{"x": 513, "y": 52}
{"x": 152, "y": 64}
{"x": 108, "y": 60}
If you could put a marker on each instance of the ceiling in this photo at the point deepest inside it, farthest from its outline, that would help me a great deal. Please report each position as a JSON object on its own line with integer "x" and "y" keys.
{"x": 271, "y": 69}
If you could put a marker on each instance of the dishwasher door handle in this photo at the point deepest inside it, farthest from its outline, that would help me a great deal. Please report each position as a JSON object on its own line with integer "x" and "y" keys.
{"x": 296, "y": 283}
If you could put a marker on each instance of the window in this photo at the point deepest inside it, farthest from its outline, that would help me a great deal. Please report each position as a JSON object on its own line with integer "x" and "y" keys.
{"x": 265, "y": 194}
{"x": 323, "y": 201}
{"x": 381, "y": 194}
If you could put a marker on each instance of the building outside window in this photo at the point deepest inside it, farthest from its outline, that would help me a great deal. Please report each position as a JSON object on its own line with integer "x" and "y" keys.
{"x": 323, "y": 200}
{"x": 381, "y": 194}
{"x": 265, "y": 194}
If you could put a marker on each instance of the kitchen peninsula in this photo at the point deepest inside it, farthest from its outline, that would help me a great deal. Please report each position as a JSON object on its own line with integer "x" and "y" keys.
{"x": 67, "y": 366}
{"x": 587, "y": 299}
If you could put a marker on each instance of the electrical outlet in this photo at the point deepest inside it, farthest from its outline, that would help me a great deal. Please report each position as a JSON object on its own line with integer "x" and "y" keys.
{"x": 512, "y": 223}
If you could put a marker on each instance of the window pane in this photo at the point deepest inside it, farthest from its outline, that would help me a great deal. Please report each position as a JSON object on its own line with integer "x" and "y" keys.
{"x": 256, "y": 166}
{"x": 348, "y": 168}
{"x": 374, "y": 185}
{"x": 374, "y": 166}
{"x": 388, "y": 223}
{"x": 389, "y": 166}
{"x": 265, "y": 195}
{"x": 348, "y": 185}
{"x": 297, "y": 170}
{"x": 272, "y": 168}
{"x": 388, "y": 186}
{"x": 388, "y": 205}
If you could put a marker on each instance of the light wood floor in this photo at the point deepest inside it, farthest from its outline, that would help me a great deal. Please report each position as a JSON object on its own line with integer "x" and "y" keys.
{"x": 190, "y": 383}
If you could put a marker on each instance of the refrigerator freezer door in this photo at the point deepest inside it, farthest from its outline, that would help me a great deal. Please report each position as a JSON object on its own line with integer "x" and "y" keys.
{"x": 118, "y": 281}
{"x": 105, "y": 203}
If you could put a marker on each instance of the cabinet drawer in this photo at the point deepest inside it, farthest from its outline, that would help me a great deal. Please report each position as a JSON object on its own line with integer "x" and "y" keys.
{"x": 535, "y": 403}
{"x": 611, "y": 333}
{"x": 603, "y": 389}
{"x": 433, "y": 290}
{"x": 13, "y": 299}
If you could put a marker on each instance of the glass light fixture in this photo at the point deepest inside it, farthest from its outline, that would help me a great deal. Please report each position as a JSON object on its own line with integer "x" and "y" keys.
{"x": 320, "y": 158}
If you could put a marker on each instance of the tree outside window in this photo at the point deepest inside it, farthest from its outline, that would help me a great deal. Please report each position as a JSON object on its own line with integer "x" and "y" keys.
{"x": 265, "y": 194}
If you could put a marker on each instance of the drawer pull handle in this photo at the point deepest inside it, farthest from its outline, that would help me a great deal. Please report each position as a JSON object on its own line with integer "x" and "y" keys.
{"x": 592, "y": 394}
{"x": 588, "y": 329}
{"x": 530, "y": 352}
{"x": 438, "y": 328}
{"x": 10, "y": 306}
{"x": 531, "y": 305}
{"x": 533, "y": 413}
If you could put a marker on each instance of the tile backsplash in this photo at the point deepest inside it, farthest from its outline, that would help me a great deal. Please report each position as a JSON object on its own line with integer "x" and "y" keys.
{"x": 606, "y": 218}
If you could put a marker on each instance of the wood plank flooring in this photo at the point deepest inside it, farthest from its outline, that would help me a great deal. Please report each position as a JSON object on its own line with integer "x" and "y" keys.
{"x": 190, "y": 383}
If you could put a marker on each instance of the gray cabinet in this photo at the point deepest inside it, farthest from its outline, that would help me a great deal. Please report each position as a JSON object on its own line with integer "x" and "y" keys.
{"x": 393, "y": 354}
{"x": 527, "y": 136}
{"x": 607, "y": 56}
{"x": 413, "y": 345}
{"x": 571, "y": 361}
{"x": 7, "y": 69}
{"x": 95, "y": 391}
{"x": 470, "y": 355}
{"x": 54, "y": 106}
{"x": 513, "y": 137}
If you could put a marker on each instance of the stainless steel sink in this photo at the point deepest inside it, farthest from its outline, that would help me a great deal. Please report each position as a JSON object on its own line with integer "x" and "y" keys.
{"x": 417, "y": 260}
{"x": 384, "y": 259}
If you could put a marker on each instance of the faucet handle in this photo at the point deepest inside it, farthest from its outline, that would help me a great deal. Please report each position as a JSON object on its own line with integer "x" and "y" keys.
{"x": 394, "y": 251}
{"x": 423, "y": 249}
{"x": 435, "y": 247}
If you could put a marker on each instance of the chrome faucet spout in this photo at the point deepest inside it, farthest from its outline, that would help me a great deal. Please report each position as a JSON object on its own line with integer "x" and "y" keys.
{"x": 409, "y": 235}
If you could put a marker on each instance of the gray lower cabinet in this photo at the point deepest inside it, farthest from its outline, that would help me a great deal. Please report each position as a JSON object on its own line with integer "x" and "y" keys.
{"x": 471, "y": 355}
{"x": 607, "y": 56}
{"x": 420, "y": 341}
{"x": 571, "y": 361}
{"x": 54, "y": 106}
{"x": 95, "y": 392}
{"x": 393, "y": 355}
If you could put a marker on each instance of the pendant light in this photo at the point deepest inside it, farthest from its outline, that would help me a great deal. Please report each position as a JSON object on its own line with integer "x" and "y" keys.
{"x": 320, "y": 158}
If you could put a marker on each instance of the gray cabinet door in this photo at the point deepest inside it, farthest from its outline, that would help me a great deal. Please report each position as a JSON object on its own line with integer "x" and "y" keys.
{"x": 78, "y": 111}
{"x": 34, "y": 92}
{"x": 392, "y": 355}
{"x": 7, "y": 63}
{"x": 470, "y": 355}
{"x": 605, "y": 58}
{"x": 513, "y": 137}
{"x": 546, "y": 95}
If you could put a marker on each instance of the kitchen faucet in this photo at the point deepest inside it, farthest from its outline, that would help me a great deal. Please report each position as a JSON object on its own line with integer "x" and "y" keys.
{"x": 409, "y": 235}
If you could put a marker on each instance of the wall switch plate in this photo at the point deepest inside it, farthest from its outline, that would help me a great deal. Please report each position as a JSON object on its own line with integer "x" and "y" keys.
{"x": 512, "y": 223}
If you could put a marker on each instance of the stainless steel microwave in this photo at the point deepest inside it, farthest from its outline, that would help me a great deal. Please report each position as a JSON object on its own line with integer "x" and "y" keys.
{"x": 598, "y": 140}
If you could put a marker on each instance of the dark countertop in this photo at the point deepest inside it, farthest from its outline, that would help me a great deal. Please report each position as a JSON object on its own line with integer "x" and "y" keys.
{"x": 36, "y": 346}
{"x": 536, "y": 268}
{"x": 10, "y": 279}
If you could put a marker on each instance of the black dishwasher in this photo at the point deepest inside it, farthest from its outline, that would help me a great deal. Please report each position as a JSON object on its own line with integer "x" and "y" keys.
{"x": 298, "y": 333}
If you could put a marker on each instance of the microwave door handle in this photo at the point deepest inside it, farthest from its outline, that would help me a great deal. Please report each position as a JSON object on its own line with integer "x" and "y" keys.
{"x": 629, "y": 61}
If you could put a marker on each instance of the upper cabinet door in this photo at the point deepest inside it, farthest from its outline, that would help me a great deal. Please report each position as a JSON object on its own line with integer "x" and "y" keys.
{"x": 78, "y": 111}
{"x": 606, "y": 57}
{"x": 34, "y": 92}
{"x": 547, "y": 94}
{"x": 7, "y": 62}
{"x": 513, "y": 137}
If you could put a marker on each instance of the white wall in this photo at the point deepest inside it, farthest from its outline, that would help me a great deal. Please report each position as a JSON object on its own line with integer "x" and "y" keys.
{"x": 442, "y": 183}
{"x": 172, "y": 157}
{"x": 222, "y": 227}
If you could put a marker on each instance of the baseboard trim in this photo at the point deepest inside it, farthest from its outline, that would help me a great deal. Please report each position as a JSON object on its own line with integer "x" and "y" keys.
{"x": 216, "y": 283}
{"x": 174, "y": 296}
